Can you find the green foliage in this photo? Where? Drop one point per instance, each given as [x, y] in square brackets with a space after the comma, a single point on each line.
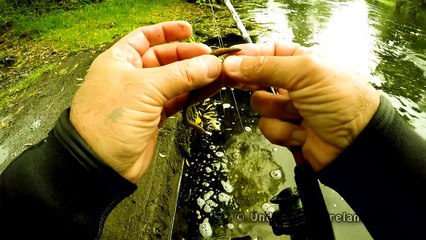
[90, 24]
[414, 8]
[48, 3]
[6, 97]
[13, 8]
[387, 2]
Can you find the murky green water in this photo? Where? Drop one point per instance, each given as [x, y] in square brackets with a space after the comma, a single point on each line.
[230, 176]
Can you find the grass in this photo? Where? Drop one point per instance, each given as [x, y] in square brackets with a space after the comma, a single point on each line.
[94, 24]
[387, 2]
[7, 97]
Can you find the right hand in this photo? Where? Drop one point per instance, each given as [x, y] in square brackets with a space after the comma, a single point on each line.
[320, 106]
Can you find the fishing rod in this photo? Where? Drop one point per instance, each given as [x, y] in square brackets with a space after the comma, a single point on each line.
[302, 212]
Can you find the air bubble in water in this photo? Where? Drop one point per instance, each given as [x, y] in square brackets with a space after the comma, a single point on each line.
[268, 208]
[227, 186]
[208, 195]
[200, 202]
[216, 165]
[276, 174]
[207, 208]
[205, 228]
[223, 197]
[219, 154]
[231, 226]
[211, 203]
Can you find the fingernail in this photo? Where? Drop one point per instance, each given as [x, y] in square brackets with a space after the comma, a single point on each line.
[232, 64]
[213, 68]
[299, 135]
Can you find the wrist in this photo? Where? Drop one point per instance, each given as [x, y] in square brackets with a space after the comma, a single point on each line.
[368, 103]
[71, 139]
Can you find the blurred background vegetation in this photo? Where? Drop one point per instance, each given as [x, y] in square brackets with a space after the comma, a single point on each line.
[37, 35]
[16, 8]
[73, 25]
[30, 18]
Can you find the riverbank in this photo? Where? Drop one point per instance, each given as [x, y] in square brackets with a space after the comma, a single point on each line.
[34, 43]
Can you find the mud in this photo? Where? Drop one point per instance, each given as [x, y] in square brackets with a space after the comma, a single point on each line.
[33, 116]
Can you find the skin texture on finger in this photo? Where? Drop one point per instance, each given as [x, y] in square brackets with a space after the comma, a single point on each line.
[143, 38]
[272, 105]
[282, 49]
[272, 49]
[181, 77]
[168, 53]
[281, 133]
[267, 71]
[131, 47]
[176, 104]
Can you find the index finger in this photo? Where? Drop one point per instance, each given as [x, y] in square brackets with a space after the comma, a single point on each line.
[143, 38]
[272, 49]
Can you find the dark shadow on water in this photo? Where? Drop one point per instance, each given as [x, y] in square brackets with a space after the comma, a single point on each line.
[227, 174]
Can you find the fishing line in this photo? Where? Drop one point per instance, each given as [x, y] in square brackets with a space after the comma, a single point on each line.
[221, 44]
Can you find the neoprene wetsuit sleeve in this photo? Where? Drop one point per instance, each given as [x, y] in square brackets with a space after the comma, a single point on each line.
[59, 189]
[382, 176]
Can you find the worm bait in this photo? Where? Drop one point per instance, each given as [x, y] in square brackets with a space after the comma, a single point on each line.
[192, 95]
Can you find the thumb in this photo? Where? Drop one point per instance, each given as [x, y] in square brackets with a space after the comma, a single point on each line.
[180, 77]
[252, 73]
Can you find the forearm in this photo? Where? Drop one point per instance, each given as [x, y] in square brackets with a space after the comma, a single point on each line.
[382, 175]
[59, 187]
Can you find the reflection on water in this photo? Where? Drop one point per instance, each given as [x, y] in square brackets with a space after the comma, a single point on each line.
[228, 175]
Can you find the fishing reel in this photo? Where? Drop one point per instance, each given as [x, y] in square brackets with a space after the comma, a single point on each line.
[290, 218]
[302, 212]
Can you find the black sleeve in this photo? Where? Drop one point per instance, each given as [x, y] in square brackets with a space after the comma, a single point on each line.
[382, 176]
[58, 189]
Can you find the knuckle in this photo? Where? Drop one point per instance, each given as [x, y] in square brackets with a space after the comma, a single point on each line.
[260, 68]
[264, 63]
[313, 63]
[186, 75]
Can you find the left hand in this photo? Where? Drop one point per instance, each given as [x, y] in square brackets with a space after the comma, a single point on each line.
[133, 87]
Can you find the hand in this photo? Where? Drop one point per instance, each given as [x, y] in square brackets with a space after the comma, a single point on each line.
[133, 87]
[320, 106]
